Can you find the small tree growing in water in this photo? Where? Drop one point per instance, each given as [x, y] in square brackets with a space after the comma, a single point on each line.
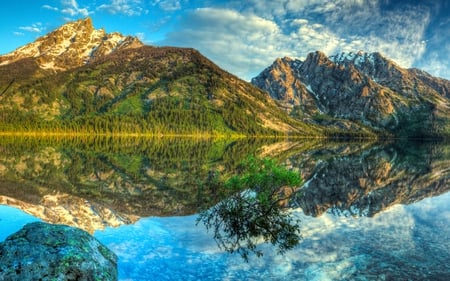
[254, 209]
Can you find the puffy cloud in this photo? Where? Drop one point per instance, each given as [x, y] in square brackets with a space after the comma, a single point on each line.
[242, 44]
[398, 34]
[245, 37]
[126, 7]
[71, 8]
[274, 9]
[358, 24]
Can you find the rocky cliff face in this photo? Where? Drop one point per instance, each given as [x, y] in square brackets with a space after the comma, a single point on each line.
[282, 83]
[71, 210]
[387, 73]
[72, 45]
[364, 88]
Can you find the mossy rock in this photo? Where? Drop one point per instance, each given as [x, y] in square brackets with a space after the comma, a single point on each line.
[41, 251]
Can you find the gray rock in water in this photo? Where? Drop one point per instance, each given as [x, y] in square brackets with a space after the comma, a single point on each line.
[41, 251]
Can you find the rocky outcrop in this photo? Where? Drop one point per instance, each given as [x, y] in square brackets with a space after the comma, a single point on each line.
[282, 84]
[71, 45]
[363, 88]
[41, 251]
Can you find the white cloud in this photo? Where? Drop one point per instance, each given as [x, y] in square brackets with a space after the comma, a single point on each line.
[245, 37]
[72, 9]
[16, 33]
[48, 7]
[30, 29]
[436, 62]
[35, 28]
[397, 34]
[241, 44]
[279, 9]
[126, 7]
[168, 5]
[297, 22]
[245, 44]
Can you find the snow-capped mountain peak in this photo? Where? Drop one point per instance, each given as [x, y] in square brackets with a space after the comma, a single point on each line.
[72, 45]
[374, 65]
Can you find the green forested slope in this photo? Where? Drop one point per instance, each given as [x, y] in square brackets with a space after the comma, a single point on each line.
[144, 90]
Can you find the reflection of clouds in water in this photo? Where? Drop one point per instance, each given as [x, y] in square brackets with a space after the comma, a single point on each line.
[400, 235]
[332, 247]
[327, 224]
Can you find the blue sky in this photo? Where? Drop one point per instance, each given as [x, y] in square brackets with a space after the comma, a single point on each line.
[244, 37]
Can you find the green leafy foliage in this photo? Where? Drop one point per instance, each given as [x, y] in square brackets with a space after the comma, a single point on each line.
[254, 208]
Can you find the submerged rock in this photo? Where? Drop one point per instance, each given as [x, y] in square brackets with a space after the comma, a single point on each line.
[41, 251]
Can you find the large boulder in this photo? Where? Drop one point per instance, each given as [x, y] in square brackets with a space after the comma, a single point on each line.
[41, 251]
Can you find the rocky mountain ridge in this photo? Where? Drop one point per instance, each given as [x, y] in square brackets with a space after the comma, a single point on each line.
[366, 89]
[71, 45]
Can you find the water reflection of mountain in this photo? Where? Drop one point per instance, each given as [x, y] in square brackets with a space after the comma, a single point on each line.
[364, 182]
[94, 183]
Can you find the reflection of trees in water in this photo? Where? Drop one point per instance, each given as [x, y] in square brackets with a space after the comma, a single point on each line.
[139, 176]
[253, 209]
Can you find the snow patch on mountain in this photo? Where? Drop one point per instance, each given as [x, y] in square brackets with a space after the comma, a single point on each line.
[358, 59]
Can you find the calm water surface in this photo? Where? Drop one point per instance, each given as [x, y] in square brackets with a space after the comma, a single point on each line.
[368, 211]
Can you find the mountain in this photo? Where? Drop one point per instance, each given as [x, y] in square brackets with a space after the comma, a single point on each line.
[78, 79]
[82, 80]
[360, 91]
[72, 45]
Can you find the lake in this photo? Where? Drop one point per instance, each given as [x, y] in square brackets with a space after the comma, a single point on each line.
[367, 211]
